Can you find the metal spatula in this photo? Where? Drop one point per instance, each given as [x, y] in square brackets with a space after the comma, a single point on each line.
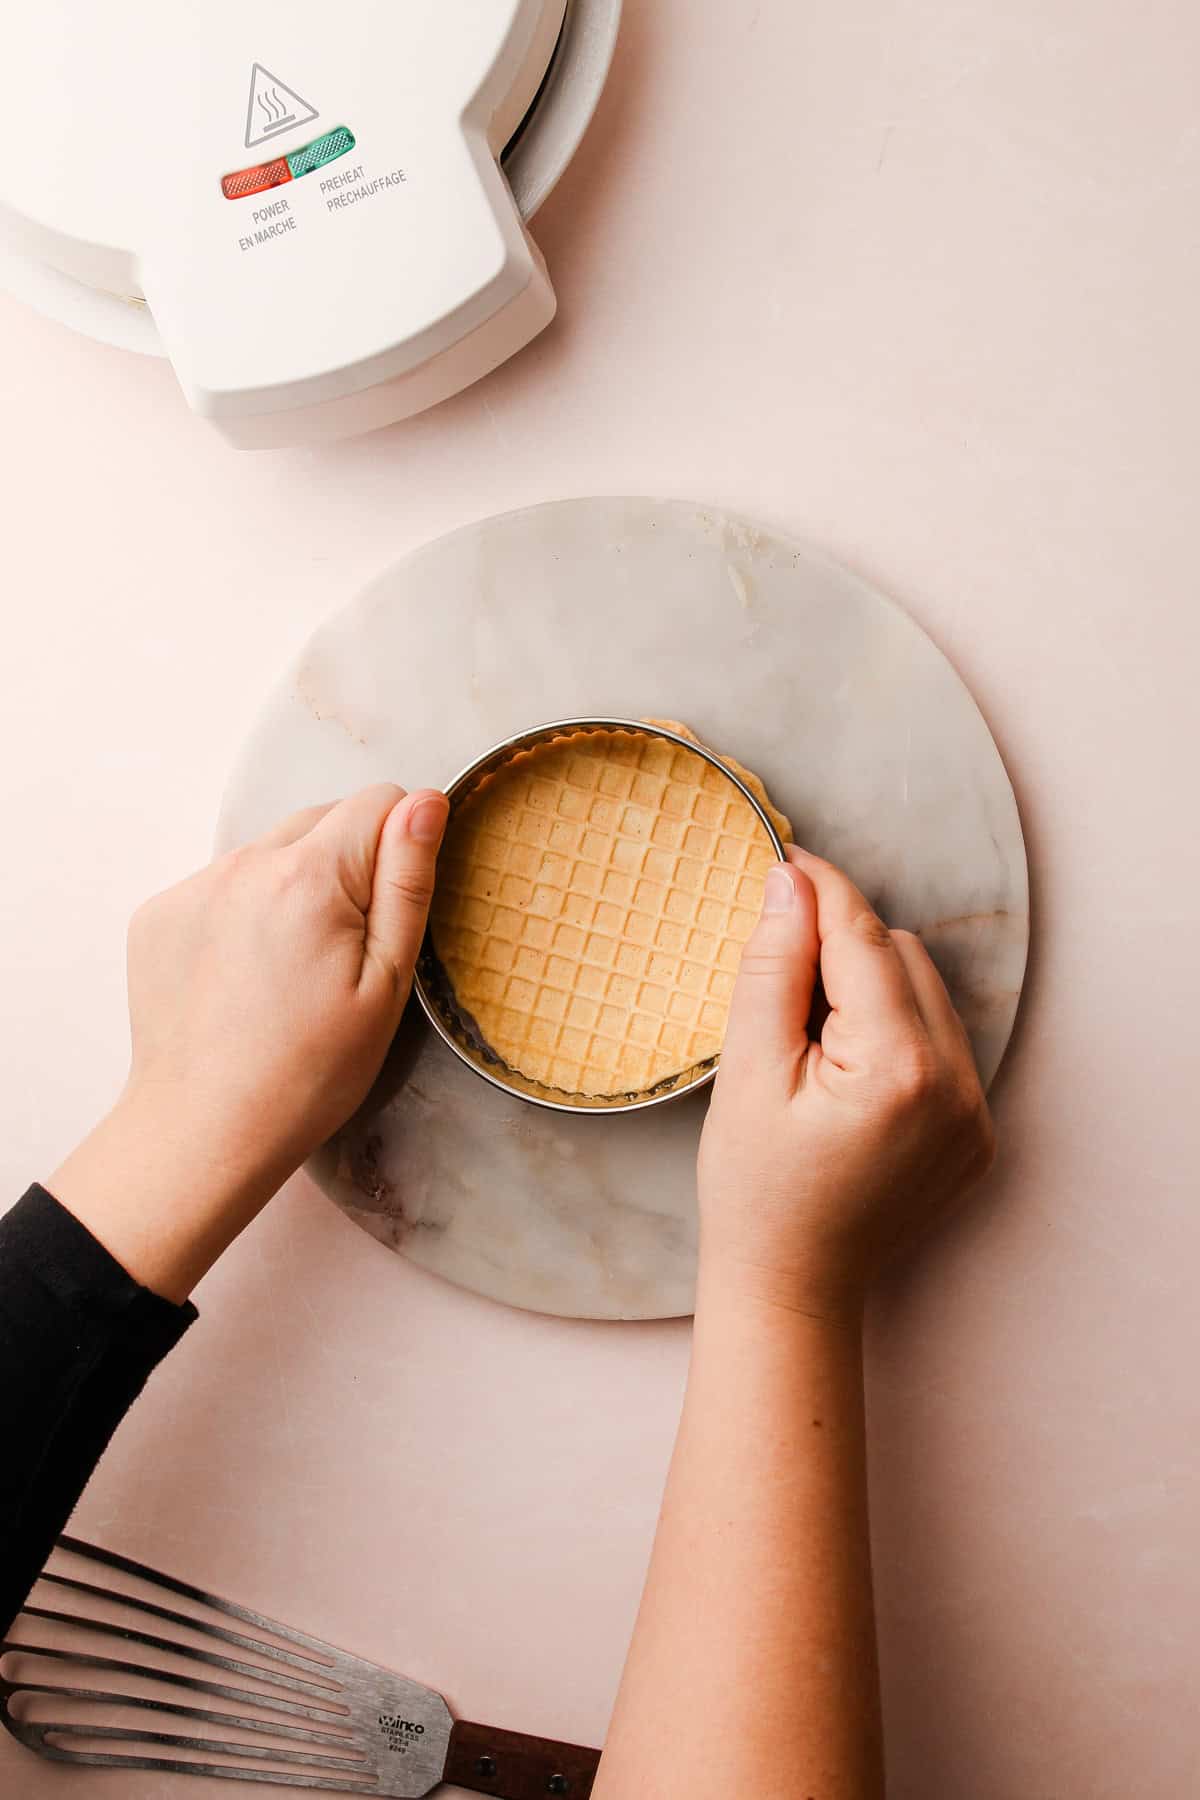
[304, 1715]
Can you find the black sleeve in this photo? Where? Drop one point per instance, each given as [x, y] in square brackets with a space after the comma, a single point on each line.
[78, 1338]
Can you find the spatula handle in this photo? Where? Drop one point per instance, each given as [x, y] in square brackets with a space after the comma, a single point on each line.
[513, 1766]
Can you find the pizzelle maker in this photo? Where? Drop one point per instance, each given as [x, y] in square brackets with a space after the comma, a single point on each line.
[319, 217]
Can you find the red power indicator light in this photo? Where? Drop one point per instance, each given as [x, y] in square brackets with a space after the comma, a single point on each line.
[255, 181]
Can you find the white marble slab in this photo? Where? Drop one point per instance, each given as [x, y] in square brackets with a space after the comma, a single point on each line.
[862, 731]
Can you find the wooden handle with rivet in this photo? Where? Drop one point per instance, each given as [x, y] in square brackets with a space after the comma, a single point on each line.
[510, 1765]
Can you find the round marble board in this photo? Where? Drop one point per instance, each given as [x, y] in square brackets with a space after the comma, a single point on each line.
[860, 728]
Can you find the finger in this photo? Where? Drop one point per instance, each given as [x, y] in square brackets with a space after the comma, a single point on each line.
[942, 1022]
[403, 884]
[773, 993]
[865, 981]
[295, 826]
[350, 833]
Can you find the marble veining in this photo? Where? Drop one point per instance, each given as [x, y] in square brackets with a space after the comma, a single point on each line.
[859, 726]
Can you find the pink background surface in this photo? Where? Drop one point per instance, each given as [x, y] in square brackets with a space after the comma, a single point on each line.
[918, 284]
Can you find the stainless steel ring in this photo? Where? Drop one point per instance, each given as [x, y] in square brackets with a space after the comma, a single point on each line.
[432, 986]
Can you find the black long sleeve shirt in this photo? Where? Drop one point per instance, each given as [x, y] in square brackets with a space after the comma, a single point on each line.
[78, 1339]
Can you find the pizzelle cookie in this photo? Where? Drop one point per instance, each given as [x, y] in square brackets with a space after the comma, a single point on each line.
[747, 777]
[593, 897]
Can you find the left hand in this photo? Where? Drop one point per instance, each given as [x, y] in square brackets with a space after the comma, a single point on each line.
[263, 995]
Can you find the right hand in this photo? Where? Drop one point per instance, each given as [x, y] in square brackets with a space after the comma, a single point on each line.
[818, 1156]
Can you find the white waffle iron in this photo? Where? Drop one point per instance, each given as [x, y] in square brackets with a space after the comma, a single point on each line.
[318, 215]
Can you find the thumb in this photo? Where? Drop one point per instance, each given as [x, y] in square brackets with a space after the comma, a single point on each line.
[772, 998]
[402, 885]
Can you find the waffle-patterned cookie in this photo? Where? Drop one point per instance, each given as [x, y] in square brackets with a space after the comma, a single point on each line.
[593, 898]
[781, 822]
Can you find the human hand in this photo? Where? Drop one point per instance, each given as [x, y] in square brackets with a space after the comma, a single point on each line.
[264, 992]
[818, 1156]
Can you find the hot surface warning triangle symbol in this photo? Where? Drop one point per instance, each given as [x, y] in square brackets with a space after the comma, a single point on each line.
[273, 107]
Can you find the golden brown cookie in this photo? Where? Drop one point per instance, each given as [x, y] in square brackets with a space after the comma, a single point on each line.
[593, 898]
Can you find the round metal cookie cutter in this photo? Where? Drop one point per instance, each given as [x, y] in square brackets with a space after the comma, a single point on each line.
[433, 987]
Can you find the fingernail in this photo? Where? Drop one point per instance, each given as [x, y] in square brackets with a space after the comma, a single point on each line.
[780, 890]
[427, 820]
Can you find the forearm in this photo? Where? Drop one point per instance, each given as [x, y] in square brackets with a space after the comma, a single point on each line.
[163, 1190]
[752, 1669]
[78, 1338]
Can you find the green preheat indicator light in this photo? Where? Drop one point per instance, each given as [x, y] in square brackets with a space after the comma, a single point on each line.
[244, 182]
[321, 151]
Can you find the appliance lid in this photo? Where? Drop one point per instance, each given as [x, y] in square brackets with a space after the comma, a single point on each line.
[534, 159]
[295, 226]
